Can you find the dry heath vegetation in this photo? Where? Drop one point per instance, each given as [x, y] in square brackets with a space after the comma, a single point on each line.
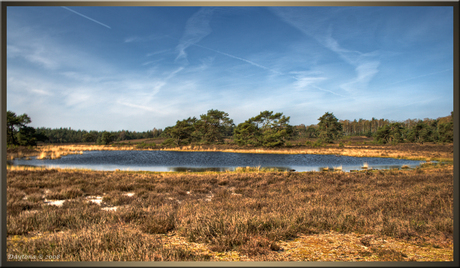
[248, 215]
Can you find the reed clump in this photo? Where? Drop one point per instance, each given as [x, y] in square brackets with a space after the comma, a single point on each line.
[365, 166]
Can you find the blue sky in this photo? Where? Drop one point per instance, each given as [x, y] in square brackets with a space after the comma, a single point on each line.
[136, 68]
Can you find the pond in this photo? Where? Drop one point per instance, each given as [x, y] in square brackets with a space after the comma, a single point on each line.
[215, 161]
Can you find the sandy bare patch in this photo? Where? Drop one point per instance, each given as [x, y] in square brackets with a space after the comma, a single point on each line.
[209, 197]
[58, 203]
[95, 199]
[114, 208]
[335, 246]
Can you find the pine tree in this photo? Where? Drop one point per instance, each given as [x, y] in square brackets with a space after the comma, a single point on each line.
[329, 128]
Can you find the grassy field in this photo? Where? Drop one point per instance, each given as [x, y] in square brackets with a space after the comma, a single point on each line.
[247, 215]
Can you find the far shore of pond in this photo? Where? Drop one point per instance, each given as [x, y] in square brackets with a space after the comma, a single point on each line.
[409, 151]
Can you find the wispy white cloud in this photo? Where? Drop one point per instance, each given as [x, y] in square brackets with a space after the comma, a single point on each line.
[143, 90]
[173, 73]
[83, 77]
[158, 52]
[80, 98]
[26, 85]
[40, 48]
[41, 91]
[123, 96]
[160, 84]
[33, 52]
[196, 28]
[135, 39]
[86, 17]
[365, 64]
[146, 108]
[352, 57]
[365, 71]
[147, 63]
[308, 81]
[78, 85]
[38, 56]
[132, 39]
[305, 79]
[205, 64]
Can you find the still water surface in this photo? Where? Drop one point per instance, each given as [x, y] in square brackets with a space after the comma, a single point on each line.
[217, 161]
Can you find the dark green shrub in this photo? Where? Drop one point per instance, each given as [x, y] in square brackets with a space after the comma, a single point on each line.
[318, 143]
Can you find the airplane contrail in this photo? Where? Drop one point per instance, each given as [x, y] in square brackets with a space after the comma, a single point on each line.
[86, 17]
[257, 65]
[423, 75]
[238, 58]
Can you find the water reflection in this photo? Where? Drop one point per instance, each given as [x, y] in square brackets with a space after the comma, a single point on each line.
[195, 169]
[223, 169]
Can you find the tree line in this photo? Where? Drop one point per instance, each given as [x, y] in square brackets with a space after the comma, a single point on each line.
[68, 135]
[267, 129]
[363, 127]
[428, 130]
[385, 131]
[18, 133]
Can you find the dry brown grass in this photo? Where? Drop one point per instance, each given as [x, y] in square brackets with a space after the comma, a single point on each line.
[232, 215]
